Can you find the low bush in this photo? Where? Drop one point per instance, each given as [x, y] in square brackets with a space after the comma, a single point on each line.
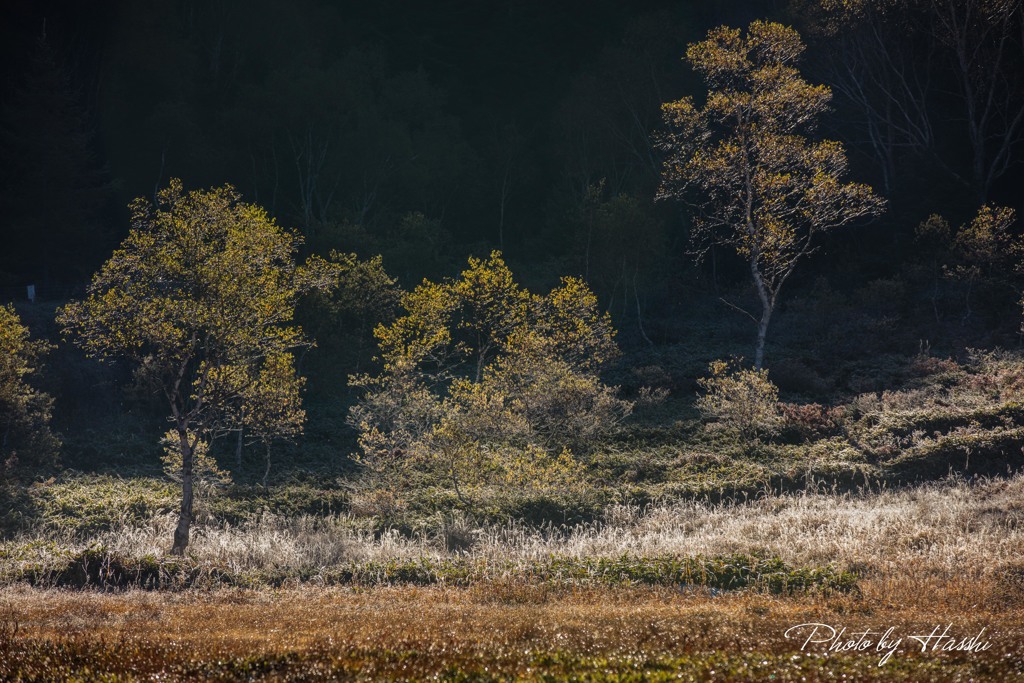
[740, 400]
[811, 421]
[485, 384]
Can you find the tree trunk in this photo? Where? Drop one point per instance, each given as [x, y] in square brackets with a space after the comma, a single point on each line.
[762, 334]
[767, 306]
[266, 472]
[181, 533]
[238, 447]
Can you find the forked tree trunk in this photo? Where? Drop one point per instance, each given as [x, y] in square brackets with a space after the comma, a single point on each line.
[181, 532]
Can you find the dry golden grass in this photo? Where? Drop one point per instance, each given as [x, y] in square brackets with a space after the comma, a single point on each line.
[502, 631]
[941, 554]
[946, 530]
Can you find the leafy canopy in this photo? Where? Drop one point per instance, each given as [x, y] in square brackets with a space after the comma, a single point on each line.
[25, 436]
[201, 296]
[766, 187]
[486, 383]
[762, 186]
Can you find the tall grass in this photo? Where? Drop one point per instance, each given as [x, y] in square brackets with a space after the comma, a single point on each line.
[947, 530]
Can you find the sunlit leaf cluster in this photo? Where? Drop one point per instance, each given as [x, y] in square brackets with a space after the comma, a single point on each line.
[24, 411]
[484, 382]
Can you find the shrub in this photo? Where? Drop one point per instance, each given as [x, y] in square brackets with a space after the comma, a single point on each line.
[486, 384]
[928, 366]
[740, 400]
[811, 420]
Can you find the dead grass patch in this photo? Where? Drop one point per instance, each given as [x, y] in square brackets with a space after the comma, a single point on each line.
[493, 632]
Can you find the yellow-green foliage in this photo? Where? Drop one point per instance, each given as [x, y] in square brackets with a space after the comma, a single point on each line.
[201, 295]
[987, 239]
[740, 399]
[767, 187]
[24, 412]
[984, 251]
[485, 383]
[983, 245]
[365, 289]
[764, 187]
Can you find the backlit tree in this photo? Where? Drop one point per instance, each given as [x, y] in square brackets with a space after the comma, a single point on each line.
[25, 436]
[485, 383]
[745, 159]
[200, 298]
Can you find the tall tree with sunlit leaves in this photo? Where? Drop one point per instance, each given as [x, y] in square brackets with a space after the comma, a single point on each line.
[761, 185]
[200, 297]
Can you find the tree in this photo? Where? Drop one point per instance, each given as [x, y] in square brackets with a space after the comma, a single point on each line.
[25, 436]
[985, 43]
[763, 187]
[985, 252]
[871, 59]
[200, 298]
[898, 60]
[486, 383]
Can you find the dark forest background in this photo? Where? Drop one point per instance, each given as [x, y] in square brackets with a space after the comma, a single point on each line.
[426, 132]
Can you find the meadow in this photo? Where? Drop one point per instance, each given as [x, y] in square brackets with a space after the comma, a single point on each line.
[692, 591]
[688, 554]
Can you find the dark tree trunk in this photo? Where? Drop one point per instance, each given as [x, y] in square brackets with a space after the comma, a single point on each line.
[266, 472]
[181, 532]
[238, 447]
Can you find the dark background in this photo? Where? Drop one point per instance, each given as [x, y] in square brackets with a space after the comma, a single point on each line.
[430, 131]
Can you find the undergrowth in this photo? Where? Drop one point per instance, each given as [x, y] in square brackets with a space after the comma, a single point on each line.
[100, 568]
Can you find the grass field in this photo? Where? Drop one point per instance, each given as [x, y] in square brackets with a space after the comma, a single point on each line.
[498, 631]
[686, 554]
[610, 600]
